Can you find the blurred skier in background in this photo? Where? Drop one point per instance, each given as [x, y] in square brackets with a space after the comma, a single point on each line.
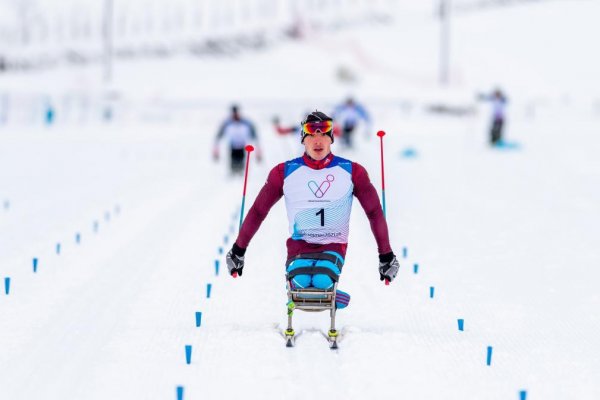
[498, 101]
[348, 116]
[238, 132]
[318, 189]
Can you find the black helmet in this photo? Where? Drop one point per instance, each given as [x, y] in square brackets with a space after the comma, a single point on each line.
[315, 116]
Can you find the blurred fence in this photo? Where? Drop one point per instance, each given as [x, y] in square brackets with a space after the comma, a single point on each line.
[37, 33]
[480, 4]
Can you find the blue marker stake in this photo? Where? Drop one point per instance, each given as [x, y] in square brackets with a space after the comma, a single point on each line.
[7, 285]
[6, 204]
[107, 216]
[416, 268]
[179, 392]
[489, 355]
[35, 261]
[231, 229]
[220, 250]
[95, 226]
[217, 267]
[208, 288]
[188, 353]
[431, 290]
[404, 252]
[461, 324]
[198, 319]
[77, 238]
[523, 395]
[57, 248]
[225, 239]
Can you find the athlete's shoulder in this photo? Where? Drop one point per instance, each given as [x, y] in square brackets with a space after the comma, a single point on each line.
[342, 163]
[292, 165]
[276, 174]
[279, 168]
[357, 165]
[359, 174]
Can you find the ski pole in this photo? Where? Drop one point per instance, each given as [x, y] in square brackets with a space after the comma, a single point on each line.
[381, 134]
[249, 148]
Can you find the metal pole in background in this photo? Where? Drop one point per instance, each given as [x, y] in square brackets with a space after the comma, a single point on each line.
[108, 37]
[444, 42]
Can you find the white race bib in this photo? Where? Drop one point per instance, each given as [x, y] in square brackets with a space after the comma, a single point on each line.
[318, 202]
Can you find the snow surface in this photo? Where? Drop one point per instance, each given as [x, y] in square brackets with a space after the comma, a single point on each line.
[508, 238]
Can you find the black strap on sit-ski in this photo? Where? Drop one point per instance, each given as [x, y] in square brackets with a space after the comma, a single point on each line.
[314, 269]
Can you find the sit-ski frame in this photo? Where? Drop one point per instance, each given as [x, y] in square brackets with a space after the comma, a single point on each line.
[311, 299]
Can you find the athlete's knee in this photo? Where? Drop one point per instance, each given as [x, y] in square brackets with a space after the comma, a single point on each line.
[322, 281]
[301, 281]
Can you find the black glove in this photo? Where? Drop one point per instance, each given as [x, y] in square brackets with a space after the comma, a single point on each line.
[388, 266]
[235, 260]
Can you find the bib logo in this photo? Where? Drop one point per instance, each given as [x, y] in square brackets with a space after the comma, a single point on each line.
[320, 190]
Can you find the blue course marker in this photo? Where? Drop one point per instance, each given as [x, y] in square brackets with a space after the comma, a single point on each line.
[6, 204]
[7, 285]
[96, 226]
[225, 239]
[179, 392]
[416, 268]
[408, 152]
[404, 252]
[461, 324]
[431, 291]
[107, 216]
[523, 395]
[49, 115]
[35, 264]
[217, 267]
[489, 355]
[57, 248]
[188, 353]
[208, 289]
[77, 238]
[198, 319]
[220, 250]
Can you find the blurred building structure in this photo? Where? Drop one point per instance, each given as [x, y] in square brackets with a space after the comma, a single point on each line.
[40, 33]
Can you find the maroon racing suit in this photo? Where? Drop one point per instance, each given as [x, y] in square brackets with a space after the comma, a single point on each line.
[272, 191]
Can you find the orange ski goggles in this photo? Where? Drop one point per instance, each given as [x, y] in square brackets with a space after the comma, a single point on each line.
[312, 128]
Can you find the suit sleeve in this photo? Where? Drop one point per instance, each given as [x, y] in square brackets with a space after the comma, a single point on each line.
[270, 193]
[221, 132]
[369, 200]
